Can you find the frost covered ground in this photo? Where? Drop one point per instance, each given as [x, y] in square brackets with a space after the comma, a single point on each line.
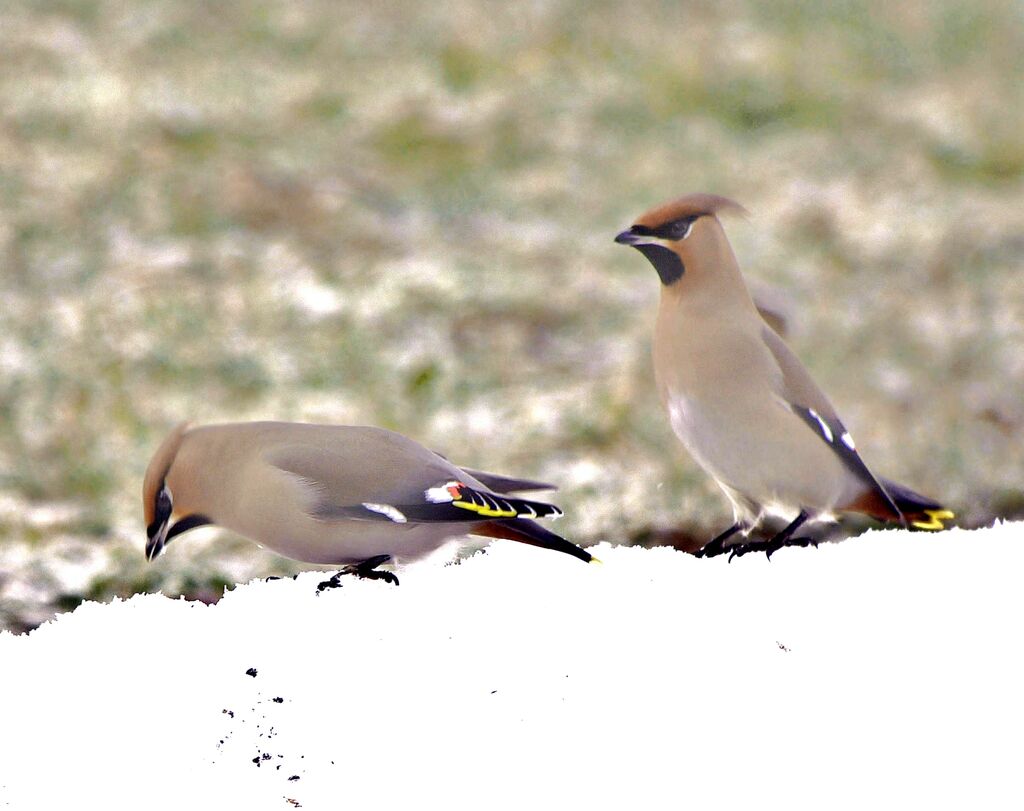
[881, 672]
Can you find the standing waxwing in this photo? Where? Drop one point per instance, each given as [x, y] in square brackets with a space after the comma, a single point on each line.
[740, 400]
[341, 495]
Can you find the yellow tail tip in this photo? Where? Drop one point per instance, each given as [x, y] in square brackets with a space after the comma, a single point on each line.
[936, 517]
[598, 561]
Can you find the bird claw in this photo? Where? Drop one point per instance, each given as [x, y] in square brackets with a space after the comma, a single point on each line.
[741, 549]
[716, 546]
[331, 583]
[367, 570]
[769, 546]
[773, 544]
[711, 550]
[373, 574]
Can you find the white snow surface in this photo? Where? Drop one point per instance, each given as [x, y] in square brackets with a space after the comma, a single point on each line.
[883, 672]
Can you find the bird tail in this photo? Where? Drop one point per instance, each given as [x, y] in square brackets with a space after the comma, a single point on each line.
[506, 484]
[526, 531]
[920, 511]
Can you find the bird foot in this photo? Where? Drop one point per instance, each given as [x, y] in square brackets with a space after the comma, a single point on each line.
[334, 582]
[366, 570]
[716, 546]
[373, 574]
[785, 537]
[770, 546]
[711, 550]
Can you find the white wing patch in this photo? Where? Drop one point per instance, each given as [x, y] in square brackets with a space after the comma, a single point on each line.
[392, 513]
[825, 430]
[847, 440]
[442, 493]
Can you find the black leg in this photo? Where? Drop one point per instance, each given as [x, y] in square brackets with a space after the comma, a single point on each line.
[366, 570]
[777, 541]
[716, 545]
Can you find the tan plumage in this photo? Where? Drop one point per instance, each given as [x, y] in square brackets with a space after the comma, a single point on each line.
[330, 494]
[738, 398]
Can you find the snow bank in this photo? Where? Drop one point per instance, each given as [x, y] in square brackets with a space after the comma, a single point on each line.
[887, 671]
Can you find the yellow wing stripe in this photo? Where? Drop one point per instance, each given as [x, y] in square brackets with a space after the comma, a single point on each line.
[484, 510]
[936, 518]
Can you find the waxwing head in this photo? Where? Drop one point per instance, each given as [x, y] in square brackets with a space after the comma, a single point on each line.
[675, 235]
[157, 499]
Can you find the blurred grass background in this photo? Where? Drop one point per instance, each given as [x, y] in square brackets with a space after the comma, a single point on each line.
[402, 214]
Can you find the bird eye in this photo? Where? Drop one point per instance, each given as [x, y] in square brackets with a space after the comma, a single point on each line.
[680, 229]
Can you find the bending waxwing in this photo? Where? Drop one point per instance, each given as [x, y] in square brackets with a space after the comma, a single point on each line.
[740, 400]
[356, 496]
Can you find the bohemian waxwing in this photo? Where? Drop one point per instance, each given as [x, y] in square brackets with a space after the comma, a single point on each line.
[740, 400]
[333, 494]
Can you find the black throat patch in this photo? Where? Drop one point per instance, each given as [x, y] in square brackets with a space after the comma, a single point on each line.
[187, 523]
[668, 264]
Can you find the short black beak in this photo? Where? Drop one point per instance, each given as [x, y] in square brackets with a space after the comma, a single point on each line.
[157, 539]
[162, 534]
[628, 238]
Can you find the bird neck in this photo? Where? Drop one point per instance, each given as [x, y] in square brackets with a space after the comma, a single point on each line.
[712, 286]
[708, 314]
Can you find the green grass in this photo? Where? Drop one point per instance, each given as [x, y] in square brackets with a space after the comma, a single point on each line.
[402, 214]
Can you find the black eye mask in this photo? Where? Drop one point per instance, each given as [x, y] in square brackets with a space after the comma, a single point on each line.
[674, 230]
[163, 511]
